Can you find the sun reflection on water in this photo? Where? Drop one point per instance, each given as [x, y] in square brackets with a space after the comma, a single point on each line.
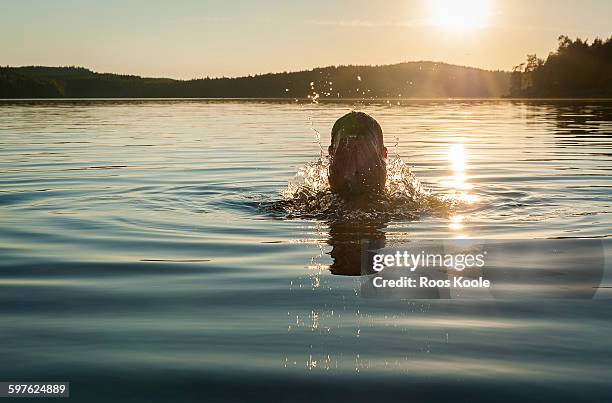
[457, 158]
[456, 222]
[458, 181]
[459, 184]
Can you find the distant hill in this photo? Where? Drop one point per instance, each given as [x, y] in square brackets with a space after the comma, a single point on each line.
[403, 80]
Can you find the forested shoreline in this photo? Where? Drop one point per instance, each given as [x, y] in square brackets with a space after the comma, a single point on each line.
[577, 69]
[413, 79]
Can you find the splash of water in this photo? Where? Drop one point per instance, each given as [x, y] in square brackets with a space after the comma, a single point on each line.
[317, 135]
[308, 195]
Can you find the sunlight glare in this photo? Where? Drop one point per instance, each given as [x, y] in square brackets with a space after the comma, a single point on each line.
[457, 159]
[459, 15]
[456, 222]
[459, 181]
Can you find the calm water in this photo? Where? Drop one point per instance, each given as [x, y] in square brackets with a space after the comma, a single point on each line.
[138, 264]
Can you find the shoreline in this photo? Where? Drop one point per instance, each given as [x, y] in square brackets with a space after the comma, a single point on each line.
[309, 101]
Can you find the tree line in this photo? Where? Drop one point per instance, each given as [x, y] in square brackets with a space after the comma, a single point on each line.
[412, 79]
[575, 69]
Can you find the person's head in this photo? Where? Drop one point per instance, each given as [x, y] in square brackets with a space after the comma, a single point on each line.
[357, 156]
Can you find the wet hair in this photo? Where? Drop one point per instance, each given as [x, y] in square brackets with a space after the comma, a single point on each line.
[357, 163]
[356, 124]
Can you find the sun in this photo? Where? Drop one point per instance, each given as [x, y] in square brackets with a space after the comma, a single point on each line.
[459, 15]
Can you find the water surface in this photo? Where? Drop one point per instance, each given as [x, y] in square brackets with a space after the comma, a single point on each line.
[137, 261]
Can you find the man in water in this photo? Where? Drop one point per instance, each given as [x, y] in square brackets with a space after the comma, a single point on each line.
[358, 155]
[357, 173]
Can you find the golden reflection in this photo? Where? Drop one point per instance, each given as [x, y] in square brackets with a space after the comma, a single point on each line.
[459, 185]
[457, 159]
[458, 182]
[311, 363]
[456, 222]
[314, 320]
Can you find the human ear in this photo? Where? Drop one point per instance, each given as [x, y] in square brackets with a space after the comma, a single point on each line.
[329, 150]
[385, 149]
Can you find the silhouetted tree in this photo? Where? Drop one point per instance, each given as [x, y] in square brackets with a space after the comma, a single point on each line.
[576, 69]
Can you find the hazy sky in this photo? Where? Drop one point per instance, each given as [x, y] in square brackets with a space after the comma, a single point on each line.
[186, 39]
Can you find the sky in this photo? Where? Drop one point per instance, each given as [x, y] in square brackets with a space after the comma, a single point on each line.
[192, 39]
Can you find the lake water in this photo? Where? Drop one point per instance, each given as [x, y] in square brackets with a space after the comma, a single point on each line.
[137, 261]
